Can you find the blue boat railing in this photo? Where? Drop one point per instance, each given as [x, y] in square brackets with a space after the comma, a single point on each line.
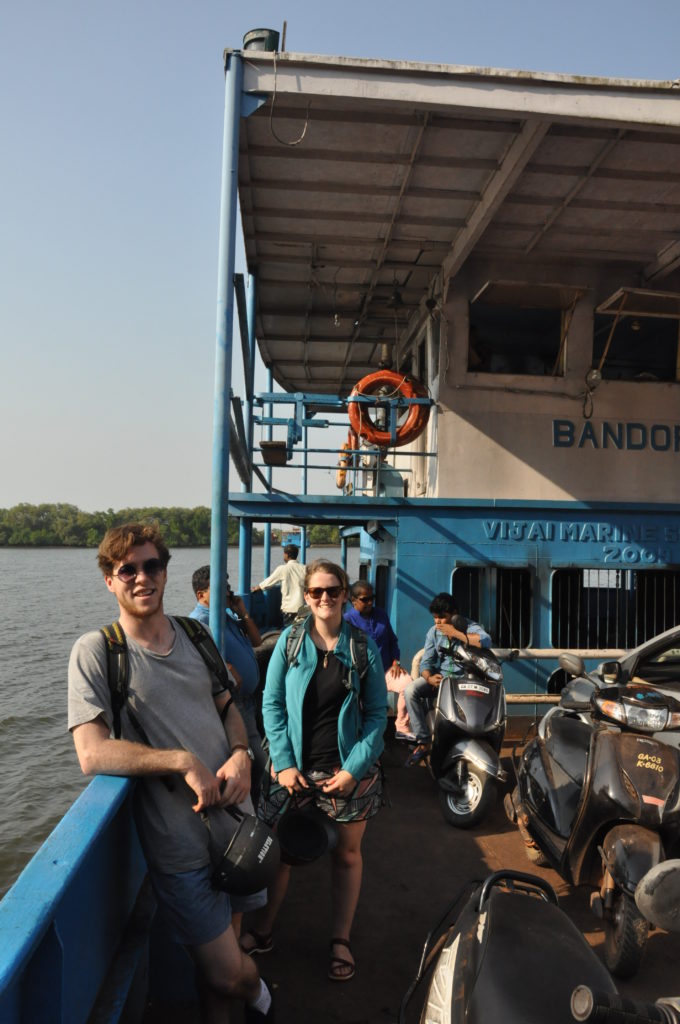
[63, 920]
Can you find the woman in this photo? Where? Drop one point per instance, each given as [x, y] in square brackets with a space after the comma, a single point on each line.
[325, 731]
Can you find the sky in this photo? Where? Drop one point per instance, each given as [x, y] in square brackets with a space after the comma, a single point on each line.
[111, 144]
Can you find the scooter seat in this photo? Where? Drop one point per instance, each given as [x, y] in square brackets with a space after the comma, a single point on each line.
[530, 959]
[567, 741]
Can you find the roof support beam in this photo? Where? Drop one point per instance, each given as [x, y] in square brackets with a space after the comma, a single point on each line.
[513, 163]
[574, 191]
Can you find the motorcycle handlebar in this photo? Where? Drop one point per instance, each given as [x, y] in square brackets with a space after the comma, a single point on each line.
[587, 1005]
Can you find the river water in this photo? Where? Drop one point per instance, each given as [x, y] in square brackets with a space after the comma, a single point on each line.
[48, 597]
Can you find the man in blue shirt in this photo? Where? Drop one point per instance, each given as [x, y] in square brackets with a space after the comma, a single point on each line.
[441, 640]
[240, 636]
[374, 621]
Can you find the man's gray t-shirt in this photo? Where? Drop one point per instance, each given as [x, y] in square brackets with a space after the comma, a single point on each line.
[172, 698]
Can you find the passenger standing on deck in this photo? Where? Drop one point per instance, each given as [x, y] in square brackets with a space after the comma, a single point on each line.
[192, 757]
[374, 621]
[240, 636]
[437, 661]
[291, 578]
[325, 731]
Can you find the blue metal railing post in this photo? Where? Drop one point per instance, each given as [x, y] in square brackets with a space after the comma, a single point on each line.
[245, 549]
[223, 346]
[267, 553]
[305, 458]
[343, 553]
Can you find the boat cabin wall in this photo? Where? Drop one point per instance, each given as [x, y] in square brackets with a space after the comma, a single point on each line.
[541, 578]
[515, 418]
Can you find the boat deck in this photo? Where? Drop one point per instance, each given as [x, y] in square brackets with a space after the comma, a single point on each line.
[414, 863]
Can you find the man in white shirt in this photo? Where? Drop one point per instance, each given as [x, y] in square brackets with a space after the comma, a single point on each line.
[291, 578]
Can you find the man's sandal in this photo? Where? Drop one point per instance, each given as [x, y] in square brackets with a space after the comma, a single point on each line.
[419, 754]
[256, 943]
[341, 969]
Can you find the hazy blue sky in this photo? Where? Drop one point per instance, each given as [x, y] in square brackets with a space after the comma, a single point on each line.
[111, 119]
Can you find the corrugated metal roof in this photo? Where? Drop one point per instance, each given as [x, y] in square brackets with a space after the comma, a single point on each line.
[405, 172]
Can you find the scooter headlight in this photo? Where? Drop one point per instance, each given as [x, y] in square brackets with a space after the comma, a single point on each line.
[649, 719]
[635, 716]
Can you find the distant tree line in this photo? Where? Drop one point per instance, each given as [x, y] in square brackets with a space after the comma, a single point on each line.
[64, 525]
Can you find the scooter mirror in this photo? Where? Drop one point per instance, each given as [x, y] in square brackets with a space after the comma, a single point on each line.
[572, 664]
[610, 670]
[658, 895]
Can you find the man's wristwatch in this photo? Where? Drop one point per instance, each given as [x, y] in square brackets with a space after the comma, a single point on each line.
[242, 746]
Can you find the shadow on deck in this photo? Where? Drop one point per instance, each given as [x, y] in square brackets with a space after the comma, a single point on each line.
[414, 863]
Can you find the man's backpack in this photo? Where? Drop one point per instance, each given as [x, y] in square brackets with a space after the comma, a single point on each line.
[117, 664]
[358, 647]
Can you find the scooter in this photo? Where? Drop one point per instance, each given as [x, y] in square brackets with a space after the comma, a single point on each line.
[509, 953]
[598, 799]
[468, 726]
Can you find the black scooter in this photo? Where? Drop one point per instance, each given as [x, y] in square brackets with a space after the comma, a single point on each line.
[598, 799]
[468, 725]
[512, 955]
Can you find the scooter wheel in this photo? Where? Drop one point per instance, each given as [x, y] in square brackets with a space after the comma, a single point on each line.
[467, 804]
[625, 936]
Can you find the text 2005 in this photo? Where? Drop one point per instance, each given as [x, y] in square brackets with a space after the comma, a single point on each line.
[630, 555]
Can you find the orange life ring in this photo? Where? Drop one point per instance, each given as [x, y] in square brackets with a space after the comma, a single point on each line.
[343, 463]
[413, 425]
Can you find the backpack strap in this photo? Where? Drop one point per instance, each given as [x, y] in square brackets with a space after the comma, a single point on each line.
[358, 649]
[116, 670]
[295, 638]
[202, 640]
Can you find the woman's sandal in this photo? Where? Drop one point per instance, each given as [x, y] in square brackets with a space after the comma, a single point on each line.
[341, 969]
[257, 943]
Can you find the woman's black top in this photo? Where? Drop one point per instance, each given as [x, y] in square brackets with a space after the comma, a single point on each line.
[320, 710]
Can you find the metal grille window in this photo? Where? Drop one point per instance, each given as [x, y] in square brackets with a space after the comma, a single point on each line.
[604, 608]
[498, 598]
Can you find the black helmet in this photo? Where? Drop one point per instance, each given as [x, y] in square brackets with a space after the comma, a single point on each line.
[250, 860]
[305, 834]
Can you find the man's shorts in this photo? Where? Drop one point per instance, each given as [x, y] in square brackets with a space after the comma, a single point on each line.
[363, 802]
[193, 911]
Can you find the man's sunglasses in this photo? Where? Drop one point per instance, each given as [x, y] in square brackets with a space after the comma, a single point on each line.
[316, 593]
[129, 572]
[365, 599]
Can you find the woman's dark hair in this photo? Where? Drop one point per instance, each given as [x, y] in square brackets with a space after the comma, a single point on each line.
[443, 604]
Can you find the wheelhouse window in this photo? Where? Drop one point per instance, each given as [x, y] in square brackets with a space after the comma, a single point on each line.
[499, 599]
[520, 329]
[641, 349]
[636, 335]
[612, 608]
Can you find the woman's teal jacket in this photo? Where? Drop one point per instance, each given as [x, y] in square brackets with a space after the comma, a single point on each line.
[361, 726]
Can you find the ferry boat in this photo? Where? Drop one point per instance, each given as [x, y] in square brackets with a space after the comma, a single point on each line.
[494, 256]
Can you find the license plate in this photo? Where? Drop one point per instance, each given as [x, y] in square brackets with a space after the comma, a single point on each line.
[474, 687]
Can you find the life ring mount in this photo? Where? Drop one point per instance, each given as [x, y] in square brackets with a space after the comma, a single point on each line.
[388, 384]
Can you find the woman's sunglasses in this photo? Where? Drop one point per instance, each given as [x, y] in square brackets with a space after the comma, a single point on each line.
[129, 572]
[316, 593]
